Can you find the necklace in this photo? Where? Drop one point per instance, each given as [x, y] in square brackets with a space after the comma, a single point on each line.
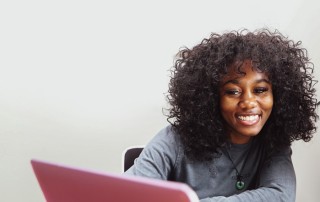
[239, 177]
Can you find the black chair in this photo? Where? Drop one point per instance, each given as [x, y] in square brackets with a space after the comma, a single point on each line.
[129, 155]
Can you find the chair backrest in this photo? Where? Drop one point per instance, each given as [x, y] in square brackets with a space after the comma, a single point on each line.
[129, 155]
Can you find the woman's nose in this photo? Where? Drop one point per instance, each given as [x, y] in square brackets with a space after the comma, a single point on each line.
[248, 101]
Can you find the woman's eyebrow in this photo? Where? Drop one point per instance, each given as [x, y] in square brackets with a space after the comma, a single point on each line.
[236, 81]
[262, 80]
[233, 81]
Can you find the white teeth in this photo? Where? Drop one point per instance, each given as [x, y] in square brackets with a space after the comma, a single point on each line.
[248, 118]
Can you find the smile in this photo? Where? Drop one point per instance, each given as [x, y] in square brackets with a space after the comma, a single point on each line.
[249, 119]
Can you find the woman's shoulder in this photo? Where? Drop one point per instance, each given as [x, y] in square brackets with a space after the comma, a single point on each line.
[166, 135]
[165, 141]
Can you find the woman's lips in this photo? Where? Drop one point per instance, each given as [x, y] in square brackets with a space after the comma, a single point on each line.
[248, 120]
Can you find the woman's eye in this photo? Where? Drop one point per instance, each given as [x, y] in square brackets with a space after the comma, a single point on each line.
[260, 90]
[232, 92]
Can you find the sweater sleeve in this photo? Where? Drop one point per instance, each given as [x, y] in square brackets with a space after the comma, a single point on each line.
[158, 158]
[277, 182]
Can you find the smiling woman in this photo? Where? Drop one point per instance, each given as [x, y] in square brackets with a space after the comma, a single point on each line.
[238, 101]
[246, 102]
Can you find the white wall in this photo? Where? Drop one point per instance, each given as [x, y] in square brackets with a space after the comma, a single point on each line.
[82, 80]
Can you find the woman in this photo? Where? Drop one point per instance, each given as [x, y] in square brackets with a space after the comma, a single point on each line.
[238, 100]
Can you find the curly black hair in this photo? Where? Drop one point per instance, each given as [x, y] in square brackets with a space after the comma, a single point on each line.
[194, 89]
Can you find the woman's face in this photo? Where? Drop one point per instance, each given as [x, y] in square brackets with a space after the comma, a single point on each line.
[245, 102]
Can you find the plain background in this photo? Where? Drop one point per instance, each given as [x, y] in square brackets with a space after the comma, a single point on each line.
[82, 80]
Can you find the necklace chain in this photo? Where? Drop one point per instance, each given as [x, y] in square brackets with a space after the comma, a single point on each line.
[239, 181]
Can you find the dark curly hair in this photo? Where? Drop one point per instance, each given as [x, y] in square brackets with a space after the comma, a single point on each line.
[194, 89]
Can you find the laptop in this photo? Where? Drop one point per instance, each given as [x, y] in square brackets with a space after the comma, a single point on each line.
[61, 183]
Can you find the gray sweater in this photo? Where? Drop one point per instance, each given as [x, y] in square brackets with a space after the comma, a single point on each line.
[273, 180]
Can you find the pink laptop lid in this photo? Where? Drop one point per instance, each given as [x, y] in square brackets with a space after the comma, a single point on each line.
[61, 183]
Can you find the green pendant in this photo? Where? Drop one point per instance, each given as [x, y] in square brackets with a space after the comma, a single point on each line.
[240, 185]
